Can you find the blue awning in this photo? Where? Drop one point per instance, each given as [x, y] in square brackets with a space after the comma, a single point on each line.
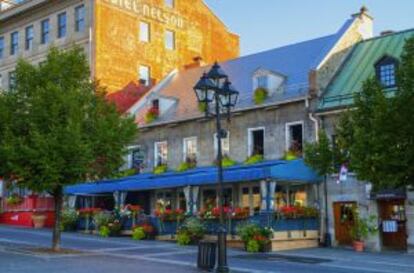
[291, 171]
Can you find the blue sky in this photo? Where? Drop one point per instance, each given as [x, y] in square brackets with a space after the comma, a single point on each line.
[265, 24]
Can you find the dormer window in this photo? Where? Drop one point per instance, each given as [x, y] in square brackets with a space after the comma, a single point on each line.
[262, 82]
[156, 104]
[386, 71]
[269, 80]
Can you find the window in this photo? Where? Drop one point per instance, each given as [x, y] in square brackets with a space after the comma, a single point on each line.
[1, 47]
[160, 153]
[134, 158]
[225, 145]
[14, 43]
[1, 87]
[62, 25]
[385, 70]
[144, 75]
[256, 141]
[190, 149]
[29, 38]
[170, 40]
[164, 200]
[144, 32]
[209, 199]
[262, 82]
[294, 137]
[45, 30]
[80, 18]
[250, 198]
[169, 3]
[12, 80]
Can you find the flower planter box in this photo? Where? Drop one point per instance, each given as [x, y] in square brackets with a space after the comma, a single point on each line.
[212, 225]
[164, 228]
[295, 224]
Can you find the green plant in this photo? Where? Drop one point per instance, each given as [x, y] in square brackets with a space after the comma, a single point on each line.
[14, 199]
[253, 159]
[187, 165]
[151, 115]
[228, 162]
[183, 239]
[202, 107]
[363, 227]
[253, 246]
[290, 155]
[69, 219]
[260, 95]
[160, 169]
[138, 233]
[101, 219]
[104, 231]
[124, 173]
[192, 228]
[115, 227]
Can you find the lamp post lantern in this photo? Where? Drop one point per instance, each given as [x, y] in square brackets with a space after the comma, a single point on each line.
[215, 92]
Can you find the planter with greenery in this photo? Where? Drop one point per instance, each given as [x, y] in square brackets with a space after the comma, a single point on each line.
[14, 200]
[187, 165]
[151, 115]
[69, 219]
[39, 220]
[160, 169]
[254, 159]
[190, 232]
[255, 238]
[260, 95]
[362, 229]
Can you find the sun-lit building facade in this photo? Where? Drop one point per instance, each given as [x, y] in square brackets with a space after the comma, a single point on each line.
[126, 41]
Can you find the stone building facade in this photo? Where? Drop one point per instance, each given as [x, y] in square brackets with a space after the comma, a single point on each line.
[145, 39]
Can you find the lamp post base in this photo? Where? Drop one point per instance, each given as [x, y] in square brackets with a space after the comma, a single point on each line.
[327, 242]
[222, 251]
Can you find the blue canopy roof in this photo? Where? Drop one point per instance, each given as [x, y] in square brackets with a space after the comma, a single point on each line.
[292, 171]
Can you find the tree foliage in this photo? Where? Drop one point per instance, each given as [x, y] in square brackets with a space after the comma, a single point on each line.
[378, 131]
[56, 127]
[319, 155]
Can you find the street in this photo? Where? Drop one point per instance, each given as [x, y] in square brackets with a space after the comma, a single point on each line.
[104, 255]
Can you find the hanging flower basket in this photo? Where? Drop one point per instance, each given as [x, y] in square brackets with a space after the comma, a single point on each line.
[260, 95]
[152, 114]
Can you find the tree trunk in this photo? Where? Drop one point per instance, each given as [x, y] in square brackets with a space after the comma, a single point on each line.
[58, 197]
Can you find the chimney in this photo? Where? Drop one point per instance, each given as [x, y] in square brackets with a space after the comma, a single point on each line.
[197, 62]
[386, 32]
[365, 22]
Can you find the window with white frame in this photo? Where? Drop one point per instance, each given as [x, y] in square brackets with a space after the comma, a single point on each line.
[144, 74]
[256, 141]
[262, 82]
[225, 145]
[61, 21]
[12, 80]
[294, 137]
[169, 3]
[385, 70]
[29, 37]
[1, 81]
[80, 18]
[1, 47]
[14, 43]
[164, 200]
[170, 39]
[160, 153]
[144, 32]
[45, 31]
[190, 149]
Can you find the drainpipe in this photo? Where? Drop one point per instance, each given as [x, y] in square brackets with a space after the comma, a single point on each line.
[316, 123]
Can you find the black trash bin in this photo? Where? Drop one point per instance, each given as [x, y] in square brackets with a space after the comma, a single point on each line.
[206, 259]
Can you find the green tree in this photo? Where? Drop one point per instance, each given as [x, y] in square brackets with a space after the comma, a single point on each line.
[378, 132]
[56, 128]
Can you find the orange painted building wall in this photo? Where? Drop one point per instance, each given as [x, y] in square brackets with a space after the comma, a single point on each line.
[119, 52]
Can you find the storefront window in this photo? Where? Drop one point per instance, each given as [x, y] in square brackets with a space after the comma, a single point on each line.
[256, 199]
[209, 199]
[164, 200]
[182, 204]
[245, 198]
[228, 197]
[298, 198]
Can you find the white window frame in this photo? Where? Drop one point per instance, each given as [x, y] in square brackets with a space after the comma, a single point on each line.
[174, 46]
[156, 151]
[185, 146]
[147, 81]
[250, 139]
[147, 37]
[129, 155]
[216, 144]
[287, 132]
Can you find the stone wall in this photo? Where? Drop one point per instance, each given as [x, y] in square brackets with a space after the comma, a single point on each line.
[198, 32]
[273, 120]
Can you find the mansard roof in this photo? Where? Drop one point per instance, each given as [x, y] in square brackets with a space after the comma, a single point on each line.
[295, 61]
[359, 66]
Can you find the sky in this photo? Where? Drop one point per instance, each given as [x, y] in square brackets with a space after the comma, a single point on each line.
[266, 24]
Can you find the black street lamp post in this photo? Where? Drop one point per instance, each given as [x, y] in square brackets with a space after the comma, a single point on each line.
[214, 89]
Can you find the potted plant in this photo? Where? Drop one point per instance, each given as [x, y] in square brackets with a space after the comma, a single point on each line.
[38, 220]
[260, 95]
[255, 238]
[361, 229]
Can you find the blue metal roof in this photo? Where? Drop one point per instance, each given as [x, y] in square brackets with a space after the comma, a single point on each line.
[282, 170]
[294, 62]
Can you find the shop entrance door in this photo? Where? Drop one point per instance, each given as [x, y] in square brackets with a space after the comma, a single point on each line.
[344, 220]
[393, 224]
